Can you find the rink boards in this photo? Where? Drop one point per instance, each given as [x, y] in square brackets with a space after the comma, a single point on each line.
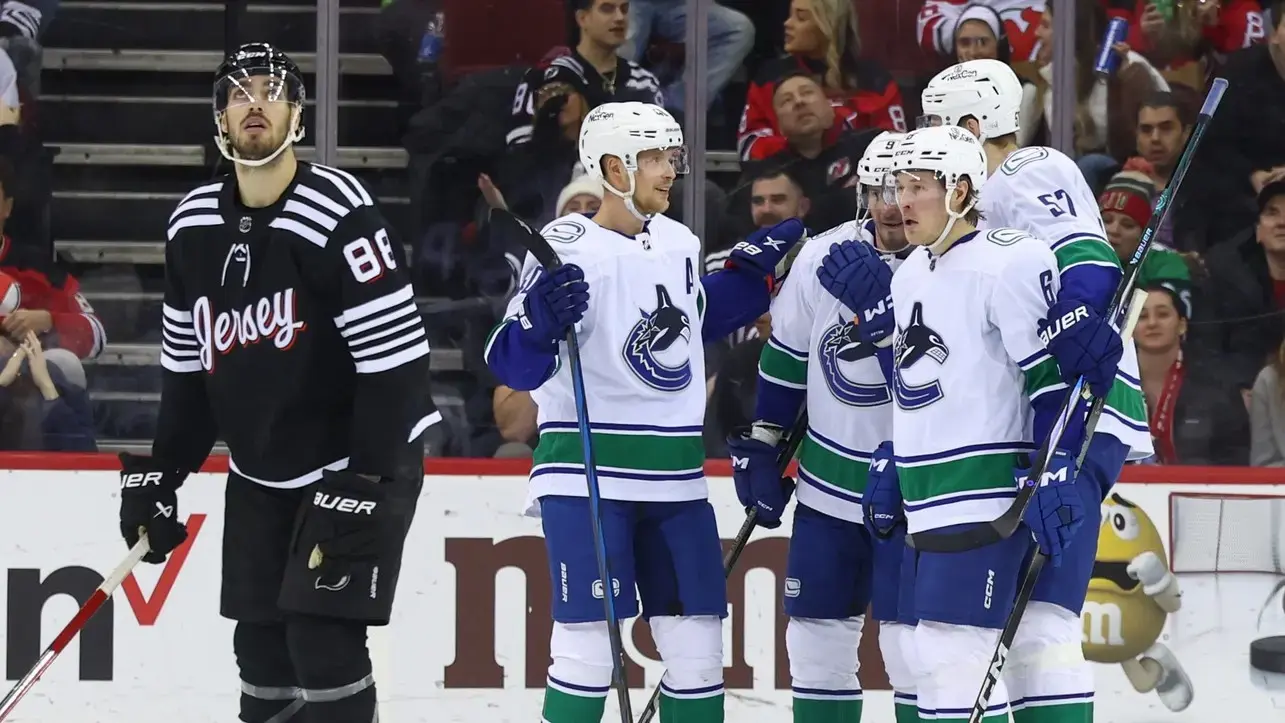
[468, 641]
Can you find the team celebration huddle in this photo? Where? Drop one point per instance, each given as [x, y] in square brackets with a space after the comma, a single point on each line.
[949, 369]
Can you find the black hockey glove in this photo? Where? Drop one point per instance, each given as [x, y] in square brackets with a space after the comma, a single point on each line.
[347, 521]
[149, 503]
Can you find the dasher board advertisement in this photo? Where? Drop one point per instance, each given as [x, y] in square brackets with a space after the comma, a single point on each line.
[469, 638]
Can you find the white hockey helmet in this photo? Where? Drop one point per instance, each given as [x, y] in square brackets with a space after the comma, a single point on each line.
[877, 159]
[949, 153]
[626, 130]
[987, 90]
[873, 168]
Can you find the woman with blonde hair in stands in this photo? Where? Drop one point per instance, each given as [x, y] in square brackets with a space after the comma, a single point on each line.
[821, 39]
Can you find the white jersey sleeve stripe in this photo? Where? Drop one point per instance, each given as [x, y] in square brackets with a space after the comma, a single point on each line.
[374, 306]
[182, 317]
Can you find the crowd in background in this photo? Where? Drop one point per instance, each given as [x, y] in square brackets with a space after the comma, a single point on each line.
[797, 89]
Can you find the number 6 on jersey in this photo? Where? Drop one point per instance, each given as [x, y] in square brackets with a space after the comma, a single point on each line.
[365, 262]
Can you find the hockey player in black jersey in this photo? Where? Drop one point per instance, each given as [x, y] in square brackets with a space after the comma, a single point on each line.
[290, 331]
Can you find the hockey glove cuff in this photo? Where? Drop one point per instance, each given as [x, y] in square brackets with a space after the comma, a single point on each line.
[556, 302]
[347, 520]
[882, 505]
[853, 273]
[759, 484]
[1056, 512]
[149, 503]
[1083, 343]
[764, 249]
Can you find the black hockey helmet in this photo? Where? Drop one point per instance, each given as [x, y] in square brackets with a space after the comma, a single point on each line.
[233, 86]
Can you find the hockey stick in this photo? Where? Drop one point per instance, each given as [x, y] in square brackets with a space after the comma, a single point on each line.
[1006, 524]
[1029, 577]
[510, 225]
[792, 443]
[78, 621]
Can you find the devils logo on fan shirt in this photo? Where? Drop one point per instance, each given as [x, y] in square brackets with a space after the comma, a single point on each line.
[44, 287]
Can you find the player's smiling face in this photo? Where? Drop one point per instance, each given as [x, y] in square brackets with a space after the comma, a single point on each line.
[657, 170]
[921, 199]
[258, 116]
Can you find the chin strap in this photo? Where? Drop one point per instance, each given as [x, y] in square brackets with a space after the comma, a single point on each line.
[628, 197]
[222, 139]
[938, 247]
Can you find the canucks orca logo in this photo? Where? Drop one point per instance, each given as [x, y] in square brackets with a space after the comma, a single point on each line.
[914, 343]
[839, 348]
[656, 347]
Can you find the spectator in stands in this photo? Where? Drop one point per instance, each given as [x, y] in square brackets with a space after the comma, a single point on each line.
[1195, 38]
[817, 145]
[602, 27]
[1105, 108]
[821, 39]
[979, 35]
[939, 22]
[515, 413]
[1244, 148]
[22, 25]
[731, 36]
[41, 406]
[1195, 418]
[1240, 309]
[1164, 124]
[31, 173]
[52, 305]
[1267, 415]
[1126, 209]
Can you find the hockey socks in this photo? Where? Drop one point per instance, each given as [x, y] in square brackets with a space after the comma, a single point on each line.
[905, 707]
[836, 707]
[696, 706]
[565, 704]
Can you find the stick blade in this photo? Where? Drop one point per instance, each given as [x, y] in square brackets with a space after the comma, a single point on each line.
[509, 227]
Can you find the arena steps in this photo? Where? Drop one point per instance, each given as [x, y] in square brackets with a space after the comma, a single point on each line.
[199, 25]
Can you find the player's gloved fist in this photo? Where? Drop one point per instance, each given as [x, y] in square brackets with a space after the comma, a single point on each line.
[1150, 570]
[1083, 343]
[555, 302]
[1056, 511]
[759, 484]
[344, 521]
[854, 274]
[882, 502]
[149, 503]
[762, 250]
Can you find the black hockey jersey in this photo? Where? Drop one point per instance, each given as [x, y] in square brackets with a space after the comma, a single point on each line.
[291, 331]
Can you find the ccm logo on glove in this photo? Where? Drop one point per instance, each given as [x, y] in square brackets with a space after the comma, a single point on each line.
[343, 504]
[878, 309]
[1066, 321]
[141, 479]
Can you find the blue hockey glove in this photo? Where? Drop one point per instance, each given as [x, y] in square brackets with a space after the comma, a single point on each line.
[762, 250]
[1083, 343]
[1056, 511]
[554, 303]
[854, 274]
[759, 484]
[882, 503]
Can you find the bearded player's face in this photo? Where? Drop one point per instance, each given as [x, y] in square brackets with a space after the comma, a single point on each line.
[258, 117]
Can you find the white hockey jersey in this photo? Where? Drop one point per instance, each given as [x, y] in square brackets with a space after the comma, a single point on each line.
[814, 346]
[643, 362]
[1042, 192]
[968, 361]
